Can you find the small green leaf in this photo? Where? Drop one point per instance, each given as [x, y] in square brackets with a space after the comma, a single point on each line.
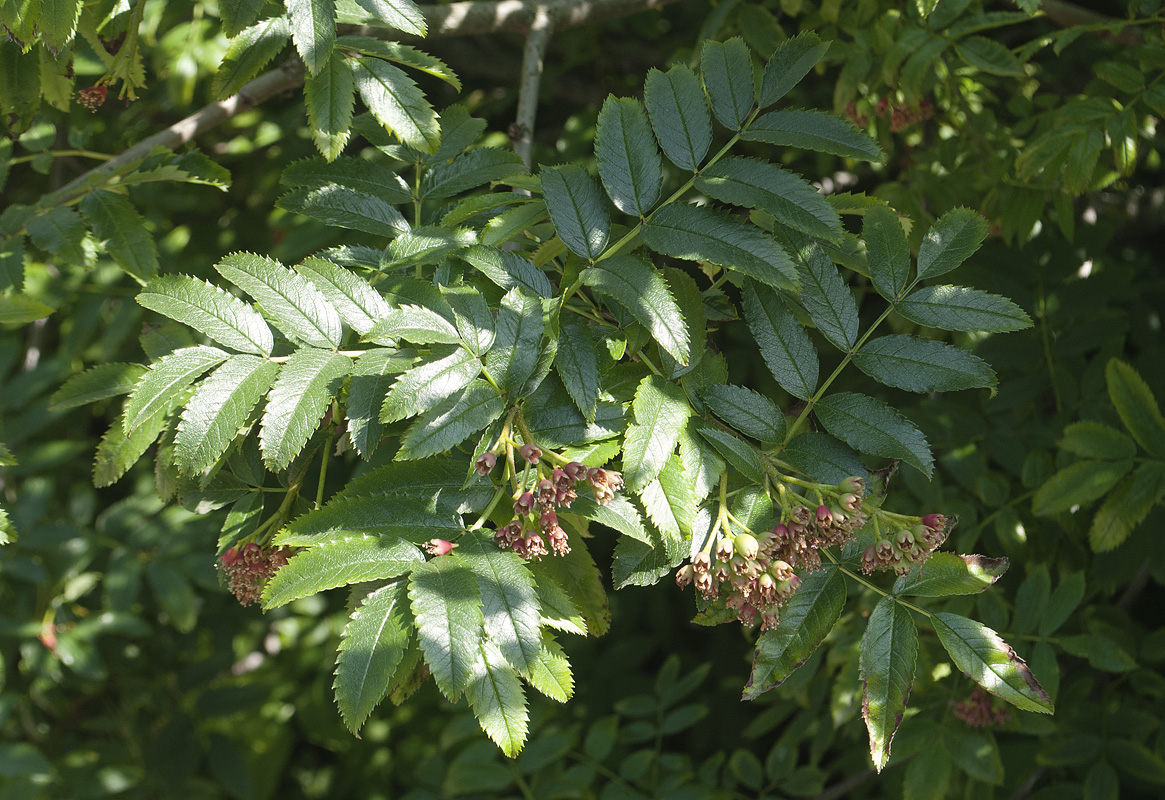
[404, 15]
[447, 607]
[639, 564]
[414, 324]
[452, 422]
[750, 413]
[577, 209]
[239, 15]
[471, 314]
[922, 365]
[871, 426]
[301, 395]
[660, 410]
[1127, 506]
[582, 585]
[990, 56]
[210, 311]
[827, 298]
[375, 640]
[358, 174]
[989, 661]
[640, 289]
[1102, 652]
[953, 238]
[514, 356]
[754, 183]
[118, 450]
[670, 500]
[397, 103]
[811, 130]
[162, 387]
[736, 452]
[346, 208]
[804, 624]
[358, 303]
[249, 51]
[509, 602]
[296, 307]
[96, 383]
[508, 270]
[552, 675]
[629, 163]
[313, 29]
[887, 252]
[726, 68]
[340, 562]
[17, 309]
[889, 654]
[928, 775]
[427, 384]
[330, 96]
[123, 232]
[946, 574]
[373, 375]
[618, 514]
[495, 694]
[470, 170]
[783, 343]
[679, 115]
[790, 62]
[408, 516]
[975, 752]
[219, 409]
[701, 234]
[1064, 600]
[1094, 440]
[1078, 485]
[823, 458]
[61, 231]
[577, 363]
[957, 308]
[58, 21]
[1137, 406]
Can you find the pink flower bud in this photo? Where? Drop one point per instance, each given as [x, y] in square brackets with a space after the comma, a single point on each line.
[438, 547]
[824, 518]
[524, 505]
[530, 452]
[485, 463]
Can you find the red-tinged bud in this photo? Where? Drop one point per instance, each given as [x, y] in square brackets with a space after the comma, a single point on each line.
[781, 532]
[739, 564]
[558, 540]
[721, 572]
[705, 585]
[936, 522]
[882, 107]
[851, 502]
[746, 546]
[576, 471]
[852, 485]
[545, 495]
[823, 516]
[438, 547]
[534, 546]
[781, 570]
[770, 619]
[485, 463]
[869, 559]
[839, 517]
[885, 550]
[685, 575]
[230, 556]
[532, 453]
[724, 549]
[734, 601]
[547, 521]
[524, 505]
[801, 515]
[92, 97]
[562, 481]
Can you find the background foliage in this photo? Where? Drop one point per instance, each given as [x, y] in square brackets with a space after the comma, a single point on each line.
[127, 668]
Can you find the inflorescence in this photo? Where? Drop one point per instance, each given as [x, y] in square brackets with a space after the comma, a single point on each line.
[247, 569]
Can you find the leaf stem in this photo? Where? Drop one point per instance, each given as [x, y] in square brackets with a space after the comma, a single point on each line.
[851, 574]
[489, 509]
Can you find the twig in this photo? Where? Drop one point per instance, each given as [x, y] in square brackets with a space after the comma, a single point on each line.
[1068, 15]
[537, 40]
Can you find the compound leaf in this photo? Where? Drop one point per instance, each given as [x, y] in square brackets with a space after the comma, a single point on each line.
[301, 395]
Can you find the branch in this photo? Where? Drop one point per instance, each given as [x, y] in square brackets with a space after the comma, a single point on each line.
[1067, 15]
[536, 42]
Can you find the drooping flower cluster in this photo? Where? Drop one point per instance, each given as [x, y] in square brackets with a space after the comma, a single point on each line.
[800, 537]
[907, 546]
[248, 569]
[977, 711]
[535, 523]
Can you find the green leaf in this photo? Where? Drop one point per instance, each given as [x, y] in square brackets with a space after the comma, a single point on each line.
[508, 270]
[990, 56]
[812, 130]
[346, 208]
[1135, 759]
[357, 174]
[1078, 485]
[447, 607]
[551, 674]
[470, 170]
[452, 422]
[58, 21]
[804, 624]
[679, 115]
[397, 103]
[404, 15]
[701, 234]
[922, 365]
[471, 314]
[509, 601]
[957, 308]
[210, 311]
[1127, 506]
[409, 515]
[790, 62]
[297, 308]
[372, 377]
[989, 661]
[582, 586]
[17, 309]
[1137, 406]
[407, 56]
[887, 252]
[974, 752]
[577, 363]
[239, 15]
[299, 399]
[162, 387]
[340, 562]
[561, 424]
[249, 51]
[96, 383]
[639, 288]
[219, 409]
[1102, 652]
[953, 238]
[726, 68]
[660, 410]
[313, 29]
[330, 96]
[495, 694]
[11, 260]
[782, 341]
[60, 231]
[871, 426]
[123, 233]
[827, 298]
[358, 304]
[375, 640]
[946, 574]
[1094, 440]
[427, 384]
[414, 324]
[823, 458]
[577, 209]
[889, 654]
[754, 183]
[736, 452]
[928, 775]
[670, 500]
[1063, 601]
[629, 163]
[750, 413]
[174, 593]
[118, 450]
[1031, 599]
[637, 563]
[514, 356]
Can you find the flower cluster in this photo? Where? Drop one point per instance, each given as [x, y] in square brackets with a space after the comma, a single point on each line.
[535, 522]
[901, 117]
[248, 569]
[907, 546]
[977, 711]
[800, 537]
[92, 97]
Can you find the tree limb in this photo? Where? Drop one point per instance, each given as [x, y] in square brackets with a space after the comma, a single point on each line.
[537, 40]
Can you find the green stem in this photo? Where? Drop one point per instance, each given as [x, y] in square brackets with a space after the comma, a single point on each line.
[324, 465]
[61, 154]
[493, 503]
[868, 585]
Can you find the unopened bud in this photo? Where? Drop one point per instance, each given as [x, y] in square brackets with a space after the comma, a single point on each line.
[904, 539]
[724, 549]
[685, 575]
[746, 545]
[851, 502]
[824, 518]
[438, 547]
[524, 504]
[485, 463]
[852, 485]
[936, 522]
